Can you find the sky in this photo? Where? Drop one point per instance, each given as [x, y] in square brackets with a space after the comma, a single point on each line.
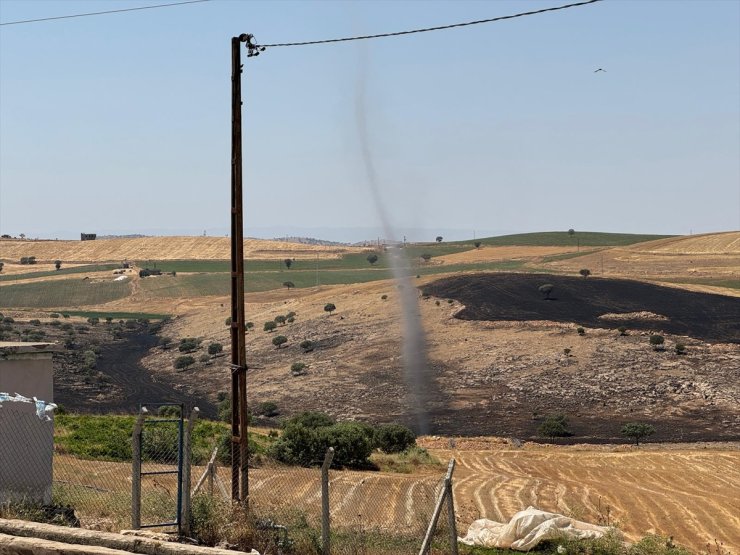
[120, 124]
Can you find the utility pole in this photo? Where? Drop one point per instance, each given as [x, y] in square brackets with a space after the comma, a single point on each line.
[239, 441]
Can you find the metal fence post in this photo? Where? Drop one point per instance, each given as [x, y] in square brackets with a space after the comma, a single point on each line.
[451, 509]
[325, 529]
[446, 490]
[185, 486]
[136, 470]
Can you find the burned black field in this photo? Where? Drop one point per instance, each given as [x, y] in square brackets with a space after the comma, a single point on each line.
[577, 300]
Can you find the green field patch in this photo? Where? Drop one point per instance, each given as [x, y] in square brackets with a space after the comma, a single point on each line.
[62, 293]
[73, 270]
[563, 239]
[117, 315]
[728, 283]
[567, 255]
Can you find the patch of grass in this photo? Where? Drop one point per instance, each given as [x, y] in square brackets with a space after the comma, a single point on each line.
[407, 462]
[567, 255]
[562, 239]
[728, 283]
[62, 293]
[88, 268]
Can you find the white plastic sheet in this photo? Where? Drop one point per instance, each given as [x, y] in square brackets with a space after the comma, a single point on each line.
[44, 410]
[528, 528]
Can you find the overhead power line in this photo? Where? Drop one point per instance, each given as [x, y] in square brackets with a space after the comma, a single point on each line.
[426, 30]
[105, 12]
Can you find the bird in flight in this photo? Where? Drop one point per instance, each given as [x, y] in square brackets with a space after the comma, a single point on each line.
[600, 69]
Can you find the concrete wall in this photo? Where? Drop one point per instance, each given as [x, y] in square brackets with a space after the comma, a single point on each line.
[26, 441]
[27, 371]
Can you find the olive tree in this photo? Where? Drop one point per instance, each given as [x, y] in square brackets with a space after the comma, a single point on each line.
[637, 431]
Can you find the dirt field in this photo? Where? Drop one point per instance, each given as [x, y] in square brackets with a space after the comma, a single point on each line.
[686, 492]
[159, 248]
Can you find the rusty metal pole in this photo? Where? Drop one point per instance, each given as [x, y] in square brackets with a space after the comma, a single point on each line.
[239, 445]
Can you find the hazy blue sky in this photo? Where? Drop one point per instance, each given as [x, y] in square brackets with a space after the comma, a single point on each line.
[121, 123]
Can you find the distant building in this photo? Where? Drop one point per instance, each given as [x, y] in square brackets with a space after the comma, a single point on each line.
[88, 236]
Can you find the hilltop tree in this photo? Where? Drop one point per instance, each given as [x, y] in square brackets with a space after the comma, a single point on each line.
[279, 341]
[288, 284]
[477, 244]
[571, 232]
[329, 307]
[58, 264]
[585, 272]
[372, 258]
[269, 326]
[288, 263]
[439, 239]
[637, 431]
[546, 290]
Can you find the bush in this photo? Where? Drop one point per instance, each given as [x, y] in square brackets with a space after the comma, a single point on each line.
[160, 443]
[585, 272]
[546, 290]
[554, 426]
[204, 358]
[329, 307]
[288, 284]
[426, 257]
[215, 348]
[680, 349]
[227, 322]
[279, 341]
[269, 409]
[188, 345]
[372, 258]
[383, 297]
[8, 319]
[35, 322]
[52, 315]
[581, 331]
[270, 326]
[280, 320]
[297, 368]
[165, 342]
[622, 330]
[249, 325]
[89, 359]
[657, 342]
[93, 321]
[181, 363]
[311, 419]
[307, 346]
[393, 438]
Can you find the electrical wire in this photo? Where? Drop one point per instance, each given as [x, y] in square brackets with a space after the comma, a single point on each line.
[426, 30]
[104, 12]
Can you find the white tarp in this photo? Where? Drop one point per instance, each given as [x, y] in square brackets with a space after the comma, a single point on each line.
[528, 528]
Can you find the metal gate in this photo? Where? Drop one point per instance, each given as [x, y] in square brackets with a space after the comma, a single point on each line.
[158, 467]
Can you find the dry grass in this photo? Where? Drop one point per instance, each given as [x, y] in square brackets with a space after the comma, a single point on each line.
[160, 248]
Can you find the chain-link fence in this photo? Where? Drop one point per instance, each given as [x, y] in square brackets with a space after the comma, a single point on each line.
[80, 470]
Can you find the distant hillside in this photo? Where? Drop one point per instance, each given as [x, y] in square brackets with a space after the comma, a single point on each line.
[310, 241]
[159, 248]
[562, 238]
[709, 243]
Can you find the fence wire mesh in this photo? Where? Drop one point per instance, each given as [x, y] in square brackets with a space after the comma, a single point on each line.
[77, 470]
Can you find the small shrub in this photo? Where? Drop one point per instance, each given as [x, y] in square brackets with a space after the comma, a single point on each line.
[580, 331]
[280, 320]
[329, 307]
[393, 438]
[52, 315]
[585, 272]
[204, 358]
[183, 362]
[546, 290]
[188, 345]
[657, 342]
[383, 297]
[269, 409]
[680, 349]
[288, 284]
[622, 330]
[279, 341]
[227, 322]
[93, 321]
[477, 244]
[8, 319]
[566, 352]
[249, 325]
[372, 258]
[269, 326]
[35, 322]
[290, 320]
[554, 426]
[165, 342]
[298, 368]
[215, 348]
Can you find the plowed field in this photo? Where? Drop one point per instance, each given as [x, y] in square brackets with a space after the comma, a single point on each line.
[688, 493]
